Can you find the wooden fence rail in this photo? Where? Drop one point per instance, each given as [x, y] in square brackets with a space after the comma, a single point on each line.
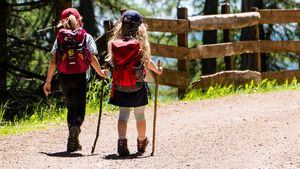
[223, 21]
[169, 51]
[273, 16]
[178, 79]
[167, 25]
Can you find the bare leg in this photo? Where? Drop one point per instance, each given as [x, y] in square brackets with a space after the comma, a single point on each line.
[124, 113]
[141, 129]
[139, 113]
[122, 128]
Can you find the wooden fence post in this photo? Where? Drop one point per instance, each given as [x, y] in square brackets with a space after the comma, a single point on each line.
[59, 6]
[122, 11]
[108, 26]
[225, 9]
[182, 41]
[257, 59]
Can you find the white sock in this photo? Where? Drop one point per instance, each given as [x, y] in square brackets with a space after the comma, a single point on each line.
[141, 139]
[122, 137]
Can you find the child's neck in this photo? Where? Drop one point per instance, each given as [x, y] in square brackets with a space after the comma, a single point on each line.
[127, 38]
[75, 28]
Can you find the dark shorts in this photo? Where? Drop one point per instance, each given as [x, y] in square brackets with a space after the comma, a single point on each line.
[132, 99]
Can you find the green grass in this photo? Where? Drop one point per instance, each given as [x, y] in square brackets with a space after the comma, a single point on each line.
[46, 117]
[2, 111]
[220, 91]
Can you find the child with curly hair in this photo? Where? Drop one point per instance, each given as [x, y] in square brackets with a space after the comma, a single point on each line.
[129, 55]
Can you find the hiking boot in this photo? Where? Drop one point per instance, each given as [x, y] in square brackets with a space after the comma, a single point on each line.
[122, 147]
[73, 140]
[141, 145]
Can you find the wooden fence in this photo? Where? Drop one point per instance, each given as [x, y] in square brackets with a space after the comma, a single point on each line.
[183, 25]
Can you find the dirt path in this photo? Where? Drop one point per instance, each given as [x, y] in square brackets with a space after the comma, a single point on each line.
[251, 131]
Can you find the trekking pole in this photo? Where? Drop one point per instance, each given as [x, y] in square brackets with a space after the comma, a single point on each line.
[100, 113]
[155, 109]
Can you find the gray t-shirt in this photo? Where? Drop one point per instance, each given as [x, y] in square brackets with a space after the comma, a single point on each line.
[90, 44]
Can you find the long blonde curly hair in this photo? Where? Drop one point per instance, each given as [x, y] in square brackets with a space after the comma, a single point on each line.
[141, 35]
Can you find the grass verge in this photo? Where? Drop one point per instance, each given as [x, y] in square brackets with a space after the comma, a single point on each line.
[220, 91]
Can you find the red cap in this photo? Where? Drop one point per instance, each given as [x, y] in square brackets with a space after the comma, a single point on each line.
[71, 11]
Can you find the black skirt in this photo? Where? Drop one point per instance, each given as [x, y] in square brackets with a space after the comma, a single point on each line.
[130, 99]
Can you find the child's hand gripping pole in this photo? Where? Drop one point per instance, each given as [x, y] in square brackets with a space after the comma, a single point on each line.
[155, 109]
[100, 113]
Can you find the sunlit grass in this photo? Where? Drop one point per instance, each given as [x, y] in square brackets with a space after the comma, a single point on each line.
[44, 117]
[2, 111]
[219, 91]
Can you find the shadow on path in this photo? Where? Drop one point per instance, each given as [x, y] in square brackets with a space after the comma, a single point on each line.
[66, 154]
[131, 156]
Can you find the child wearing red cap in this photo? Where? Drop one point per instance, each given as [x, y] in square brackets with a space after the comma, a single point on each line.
[129, 55]
[73, 52]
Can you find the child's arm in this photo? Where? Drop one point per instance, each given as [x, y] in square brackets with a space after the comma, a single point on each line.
[96, 66]
[51, 71]
[154, 68]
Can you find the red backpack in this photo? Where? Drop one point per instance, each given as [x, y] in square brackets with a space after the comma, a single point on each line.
[128, 68]
[72, 56]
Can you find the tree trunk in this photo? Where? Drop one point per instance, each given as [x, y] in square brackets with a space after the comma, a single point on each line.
[265, 56]
[209, 66]
[247, 61]
[266, 35]
[86, 10]
[3, 51]
[59, 6]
